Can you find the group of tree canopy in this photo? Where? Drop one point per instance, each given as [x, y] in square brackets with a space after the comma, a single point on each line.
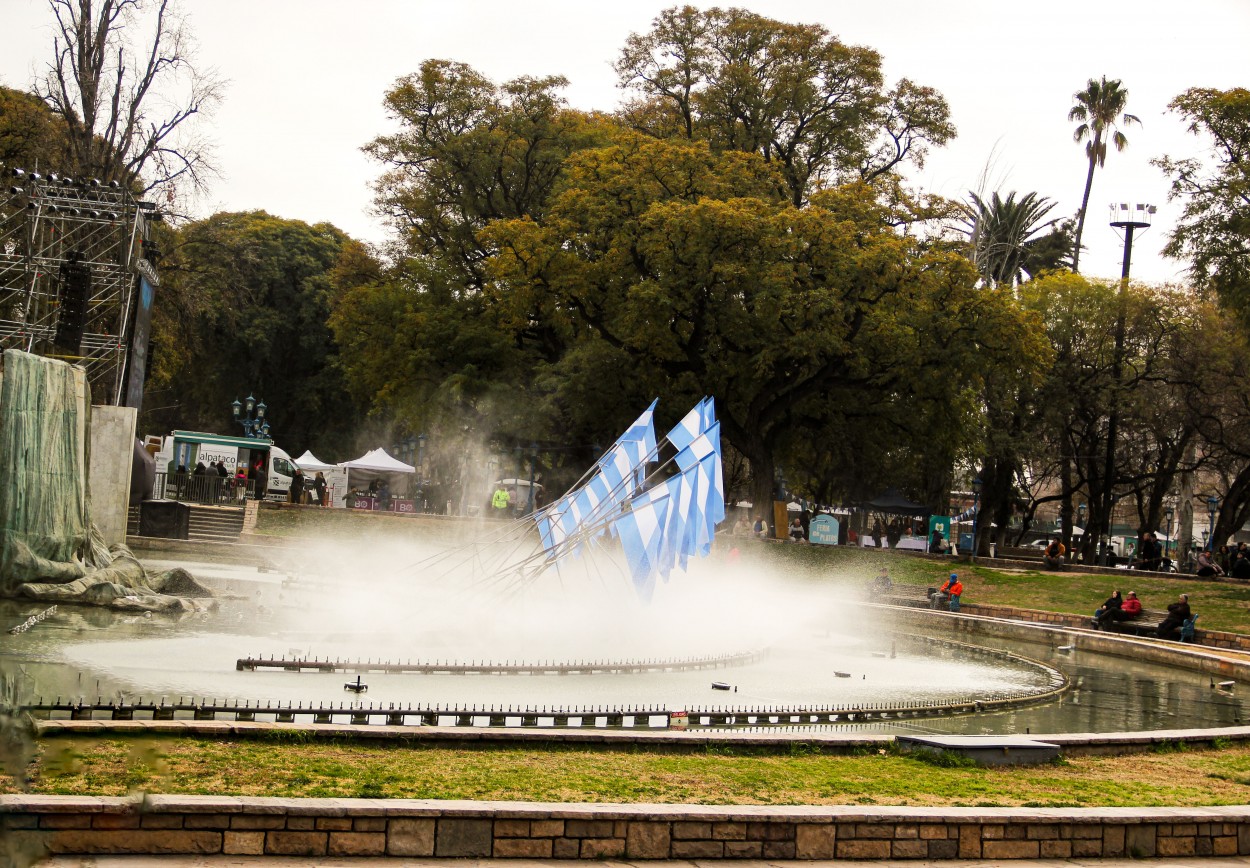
[741, 226]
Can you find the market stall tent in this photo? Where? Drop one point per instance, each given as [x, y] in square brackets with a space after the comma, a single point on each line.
[388, 472]
[308, 462]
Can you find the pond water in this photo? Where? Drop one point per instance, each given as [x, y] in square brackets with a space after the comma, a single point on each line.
[810, 633]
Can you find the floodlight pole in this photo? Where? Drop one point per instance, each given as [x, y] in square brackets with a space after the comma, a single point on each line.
[1130, 221]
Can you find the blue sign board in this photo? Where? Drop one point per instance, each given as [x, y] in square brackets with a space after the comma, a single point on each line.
[823, 530]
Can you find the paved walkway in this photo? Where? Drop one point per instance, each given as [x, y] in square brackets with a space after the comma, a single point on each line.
[323, 862]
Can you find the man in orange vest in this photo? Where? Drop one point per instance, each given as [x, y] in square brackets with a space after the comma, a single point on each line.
[953, 588]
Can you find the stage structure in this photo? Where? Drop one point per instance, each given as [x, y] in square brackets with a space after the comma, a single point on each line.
[73, 267]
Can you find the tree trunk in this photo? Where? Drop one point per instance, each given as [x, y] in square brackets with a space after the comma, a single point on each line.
[1080, 217]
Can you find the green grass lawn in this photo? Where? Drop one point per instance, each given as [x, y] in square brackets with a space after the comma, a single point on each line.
[1220, 605]
[117, 766]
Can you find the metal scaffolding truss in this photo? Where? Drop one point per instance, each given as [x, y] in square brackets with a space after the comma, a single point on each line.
[50, 227]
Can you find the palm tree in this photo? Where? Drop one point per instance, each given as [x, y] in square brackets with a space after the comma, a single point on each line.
[1097, 108]
[1004, 235]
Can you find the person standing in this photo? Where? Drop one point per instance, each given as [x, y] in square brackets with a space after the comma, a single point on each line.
[297, 487]
[319, 485]
[499, 502]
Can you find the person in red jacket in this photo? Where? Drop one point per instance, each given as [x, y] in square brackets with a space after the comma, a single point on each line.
[1129, 609]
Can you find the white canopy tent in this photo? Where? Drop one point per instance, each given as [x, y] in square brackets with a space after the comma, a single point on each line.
[308, 462]
[377, 466]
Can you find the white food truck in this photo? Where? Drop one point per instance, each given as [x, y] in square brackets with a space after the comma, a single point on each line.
[181, 451]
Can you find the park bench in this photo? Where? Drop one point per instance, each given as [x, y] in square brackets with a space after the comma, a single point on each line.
[1147, 623]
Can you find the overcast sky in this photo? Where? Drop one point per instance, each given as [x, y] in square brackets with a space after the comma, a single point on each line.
[306, 81]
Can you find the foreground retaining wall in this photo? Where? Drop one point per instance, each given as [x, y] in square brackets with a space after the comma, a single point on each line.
[70, 825]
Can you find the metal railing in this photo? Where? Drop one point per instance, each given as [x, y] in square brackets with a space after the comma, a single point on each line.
[209, 489]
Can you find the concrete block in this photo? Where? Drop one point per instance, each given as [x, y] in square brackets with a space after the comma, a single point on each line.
[340, 824]
[357, 844]
[815, 841]
[910, 848]
[854, 849]
[684, 831]
[162, 821]
[1112, 841]
[410, 836]
[1041, 832]
[522, 848]
[729, 831]
[369, 824]
[874, 830]
[1085, 847]
[546, 828]
[698, 850]
[457, 837]
[779, 849]
[565, 848]
[65, 821]
[647, 840]
[1057, 849]
[933, 832]
[243, 843]
[257, 822]
[970, 842]
[1224, 845]
[903, 831]
[588, 828]
[602, 848]
[117, 821]
[284, 843]
[206, 821]
[1010, 849]
[512, 828]
[947, 849]
[301, 824]
[744, 849]
[1174, 846]
[1140, 841]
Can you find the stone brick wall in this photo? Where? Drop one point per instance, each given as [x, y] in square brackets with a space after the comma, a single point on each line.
[201, 825]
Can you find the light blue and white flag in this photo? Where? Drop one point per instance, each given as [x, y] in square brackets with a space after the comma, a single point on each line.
[641, 531]
[692, 425]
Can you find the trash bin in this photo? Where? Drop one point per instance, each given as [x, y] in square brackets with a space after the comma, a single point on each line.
[167, 519]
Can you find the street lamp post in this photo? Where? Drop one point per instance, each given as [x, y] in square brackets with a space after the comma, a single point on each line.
[1167, 532]
[529, 504]
[421, 486]
[976, 515]
[1212, 503]
[251, 415]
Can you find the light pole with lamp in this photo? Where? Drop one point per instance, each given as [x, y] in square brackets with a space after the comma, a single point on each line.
[1130, 220]
[976, 515]
[529, 503]
[251, 415]
[1167, 531]
[1213, 503]
[421, 484]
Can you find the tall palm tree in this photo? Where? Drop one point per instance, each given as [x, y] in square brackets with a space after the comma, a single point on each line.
[1099, 108]
[1004, 235]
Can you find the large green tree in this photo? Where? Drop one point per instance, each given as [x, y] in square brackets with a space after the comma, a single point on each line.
[1214, 230]
[690, 268]
[792, 93]
[1100, 110]
[243, 309]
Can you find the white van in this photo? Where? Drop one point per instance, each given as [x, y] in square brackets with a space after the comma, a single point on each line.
[181, 451]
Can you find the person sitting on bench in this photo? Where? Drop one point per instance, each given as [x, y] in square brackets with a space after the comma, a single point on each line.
[1128, 610]
[1178, 614]
[1115, 601]
[1052, 557]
